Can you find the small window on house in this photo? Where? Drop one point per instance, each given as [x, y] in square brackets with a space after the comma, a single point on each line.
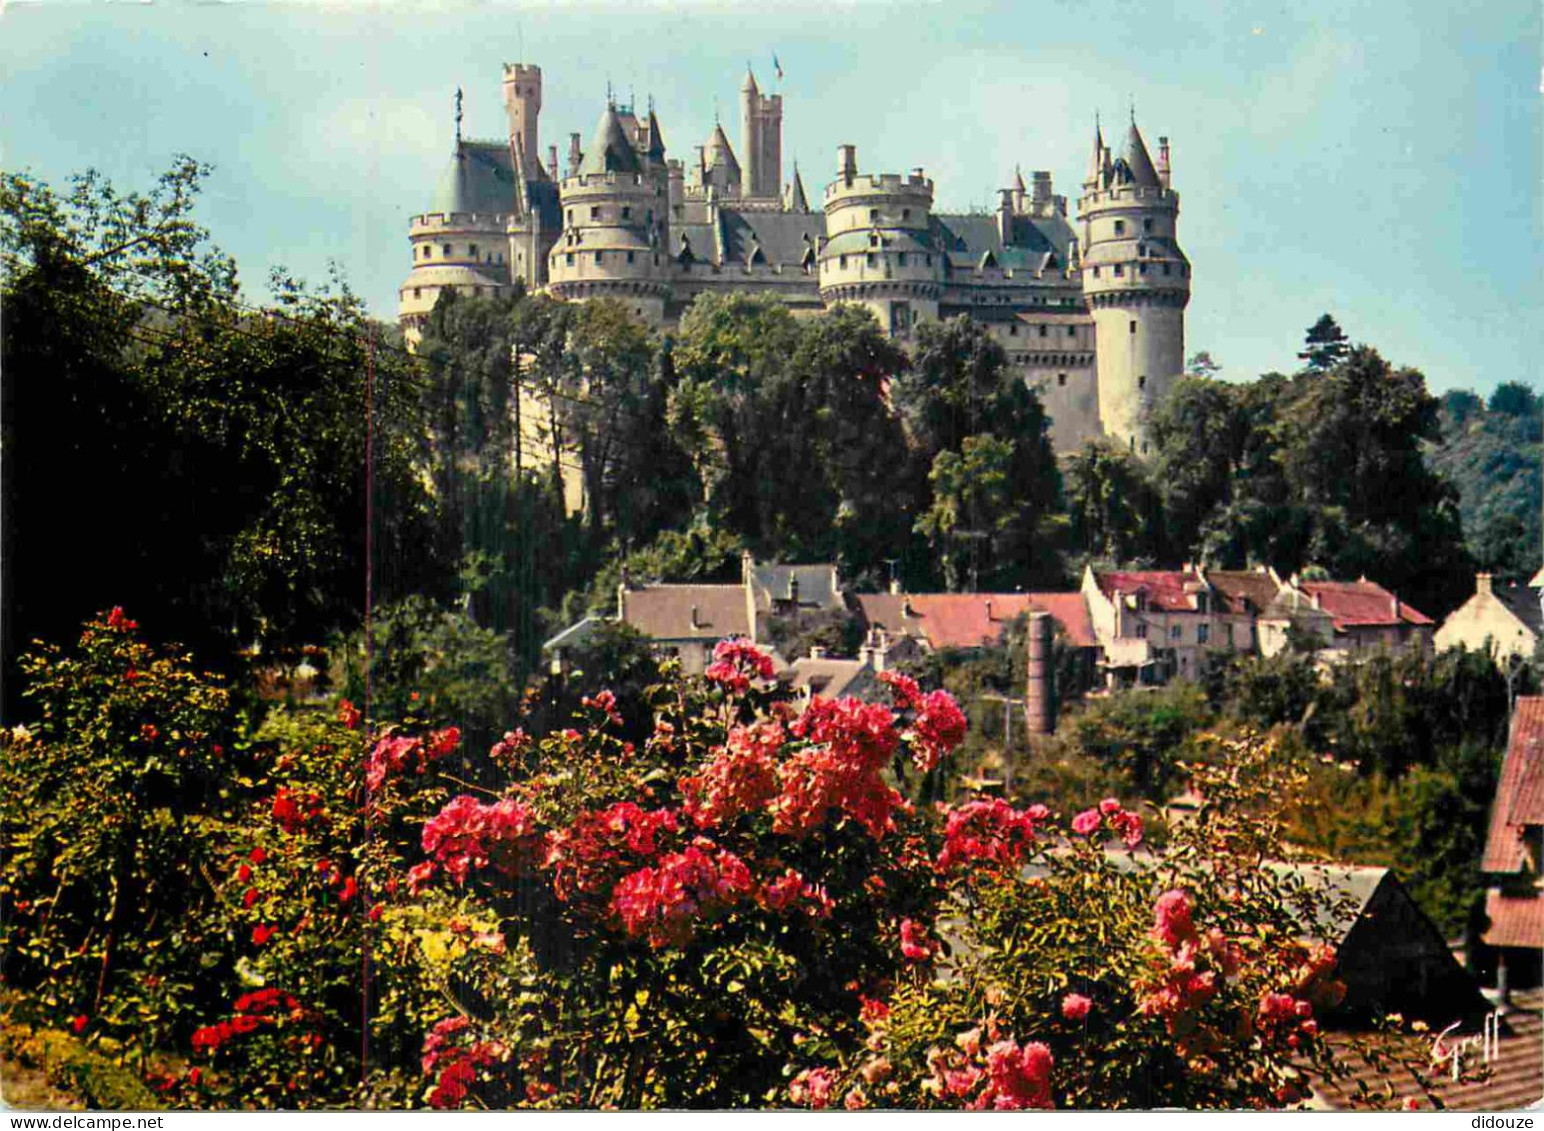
[1141, 631]
[1119, 269]
[1203, 633]
[1165, 268]
[1142, 269]
[1061, 379]
[930, 261]
[1176, 632]
[595, 212]
[873, 239]
[1120, 227]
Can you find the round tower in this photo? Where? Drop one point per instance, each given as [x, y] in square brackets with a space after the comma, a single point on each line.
[522, 101]
[879, 249]
[1136, 281]
[614, 215]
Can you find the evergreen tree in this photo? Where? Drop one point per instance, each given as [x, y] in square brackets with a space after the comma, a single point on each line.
[1325, 346]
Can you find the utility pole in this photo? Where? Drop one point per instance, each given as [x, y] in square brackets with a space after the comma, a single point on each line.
[1008, 704]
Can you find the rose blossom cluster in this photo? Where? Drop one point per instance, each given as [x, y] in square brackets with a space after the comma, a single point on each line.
[791, 890]
[989, 831]
[737, 662]
[467, 834]
[455, 1064]
[937, 723]
[252, 1011]
[392, 755]
[1195, 965]
[294, 810]
[840, 771]
[1122, 822]
[588, 856]
[1010, 1077]
[663, 903]
[740, 778]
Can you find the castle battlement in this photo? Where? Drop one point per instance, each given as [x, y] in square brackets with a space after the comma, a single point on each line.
[440, 221]
[522, 70]
[604, 180]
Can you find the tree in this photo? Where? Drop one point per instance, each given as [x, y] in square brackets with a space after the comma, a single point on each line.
[1112, 508]
[973, 510]
[1201, 365]
[1513, 398]
[1325, 345]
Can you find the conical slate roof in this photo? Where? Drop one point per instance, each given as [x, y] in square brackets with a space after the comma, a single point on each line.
[656, 138]
[610, 152]
[749, 85]
[479, 178]
[719, 151]
[1096, 162]
[1137, 160]
[797, 201]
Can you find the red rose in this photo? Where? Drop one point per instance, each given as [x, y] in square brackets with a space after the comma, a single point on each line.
[262, 933]
[80, 1022]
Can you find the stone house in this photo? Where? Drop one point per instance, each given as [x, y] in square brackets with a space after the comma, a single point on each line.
[1346, 619]
[1154, 625]
[1506, 620]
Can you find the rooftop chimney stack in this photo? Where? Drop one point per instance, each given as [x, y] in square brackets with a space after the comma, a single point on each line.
[1482, 583]
[847, 163]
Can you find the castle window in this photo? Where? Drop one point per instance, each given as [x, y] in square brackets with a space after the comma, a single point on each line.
[1014, 329]
[418, 292]
[629, 257]
[901, 259]
[874, 239]
[446, 250]
[1096, 272]
[472, 250]
[1120, 227]
[1142, 269]
[873, 214]
[627, 212]
[595, 212]
[1133, 327]
[1147, 225]
[1072, 331]
[841, 261]
[873, 260]
[1044, 331]
[570, 215]
[1165, 268]
[569, 259]
[1142, 382]
[598, 255]
[1119, 269]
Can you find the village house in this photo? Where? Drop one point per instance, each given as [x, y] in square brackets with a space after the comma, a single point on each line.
[1513, 864]
[1154, 625]
[1343, 620]
[1505, 620]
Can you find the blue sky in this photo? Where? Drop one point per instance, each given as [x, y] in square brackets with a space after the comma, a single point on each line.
[1377, 160]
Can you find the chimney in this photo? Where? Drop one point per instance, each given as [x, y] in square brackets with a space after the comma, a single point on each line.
[1040, 186]
[906, 610]
[1482, 584]
[1005, 216]
[895, 586]
[817, 652]
[847, 163]
[1039, 689]
[793, 591]
[696, 620]
[1394, 606]
[575, 155]
[552, 162]
[989, 608]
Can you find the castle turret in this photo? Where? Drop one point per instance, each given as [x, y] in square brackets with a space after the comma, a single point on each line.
[522, 101]
[750, 135]
[879, 249]
[1136, 281]
[614, 213]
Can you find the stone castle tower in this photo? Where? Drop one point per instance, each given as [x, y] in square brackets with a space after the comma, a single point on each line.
[1089, 312]
[1136, 281]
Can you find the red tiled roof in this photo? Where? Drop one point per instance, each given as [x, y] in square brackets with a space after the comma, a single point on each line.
[960, 620]
[1353, 603]
[1166, 590]
[1515, 920]
[664, 612]
[1520, 792]
[1238, 585]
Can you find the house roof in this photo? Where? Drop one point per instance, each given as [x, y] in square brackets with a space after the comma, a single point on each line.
[961, 620]
[1362, 603]
[1515, 920]
[771, 581]
[827, 677]
[1255, 586]
[1166, 590]
[666, 612]
[1520, 792]
[576, 633]
[1522, 601]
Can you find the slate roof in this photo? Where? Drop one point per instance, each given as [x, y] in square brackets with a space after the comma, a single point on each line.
[612, 150]
[959, 620]
[1522, 601]
[1137, 163]
[965, 238]
[479, 178]
[664, 612]
[830, 678]
[779, 235]
[1256, 587]
[1520, 792]
[770, 582]
[1361, 603]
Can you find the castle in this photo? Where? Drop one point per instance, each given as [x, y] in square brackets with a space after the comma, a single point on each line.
[1091, 315]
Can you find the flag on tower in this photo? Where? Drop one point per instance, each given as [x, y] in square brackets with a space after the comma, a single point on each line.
[776, 66]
